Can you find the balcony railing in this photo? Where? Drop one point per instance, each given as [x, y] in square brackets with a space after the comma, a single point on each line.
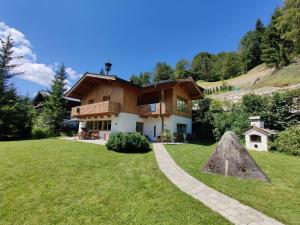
[155, 109]
[99, 108]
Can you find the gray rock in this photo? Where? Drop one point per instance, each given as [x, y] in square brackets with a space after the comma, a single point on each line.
[232, 159]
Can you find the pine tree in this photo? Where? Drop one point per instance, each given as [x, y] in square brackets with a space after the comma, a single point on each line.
[182, 69]
[289, 23]
[55, 109]
[251, 47]
[163, 71]
[275, 50]
[15, 112]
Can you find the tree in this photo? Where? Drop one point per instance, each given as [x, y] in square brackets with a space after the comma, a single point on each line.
[135, 79]
[231, 66]
[202, 66]
[288, 23]
[251, 47]
[275, 50]
[142, 79]
[16, 112]
[145, 78]
[55, 109]
[202, 119]
[182, 69]
[255, 105]
[163, 71]
[280, 111]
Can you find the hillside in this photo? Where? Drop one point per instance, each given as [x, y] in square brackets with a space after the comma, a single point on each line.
[260, 80]
[244, 81]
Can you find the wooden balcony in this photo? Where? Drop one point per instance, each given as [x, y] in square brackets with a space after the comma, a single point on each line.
[96, 109]
[154, 110]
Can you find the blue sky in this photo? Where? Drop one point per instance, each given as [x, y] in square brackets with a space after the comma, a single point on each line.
[134, 34]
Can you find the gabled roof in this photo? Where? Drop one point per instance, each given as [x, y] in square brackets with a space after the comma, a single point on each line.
[261, 130]
[88, 79]
[44, 94]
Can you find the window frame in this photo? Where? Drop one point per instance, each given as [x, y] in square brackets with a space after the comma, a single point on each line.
[139, 127]
[182, 104]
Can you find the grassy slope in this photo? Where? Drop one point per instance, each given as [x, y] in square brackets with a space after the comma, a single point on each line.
[62, 182]
[287, 76]
[278, 199]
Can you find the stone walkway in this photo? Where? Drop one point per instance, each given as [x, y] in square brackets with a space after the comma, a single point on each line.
[231, 209]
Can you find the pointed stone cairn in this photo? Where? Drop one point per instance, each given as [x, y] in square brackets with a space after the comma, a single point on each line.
[232, 159]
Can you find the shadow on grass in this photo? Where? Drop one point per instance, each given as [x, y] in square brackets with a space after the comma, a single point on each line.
[132, 151]
[205, 142]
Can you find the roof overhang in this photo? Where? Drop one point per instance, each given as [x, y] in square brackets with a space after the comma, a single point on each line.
[260, 130]
[195, 91]
[89, 79]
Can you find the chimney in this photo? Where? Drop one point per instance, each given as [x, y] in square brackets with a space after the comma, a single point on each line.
[255, 121]
[108, 65]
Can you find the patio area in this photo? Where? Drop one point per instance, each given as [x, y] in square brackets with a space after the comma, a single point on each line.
[92, 141]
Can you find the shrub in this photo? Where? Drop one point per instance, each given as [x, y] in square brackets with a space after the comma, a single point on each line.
[39, 133]
[128, 142]
[288, 142]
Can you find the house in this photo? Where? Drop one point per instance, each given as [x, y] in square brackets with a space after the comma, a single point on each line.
[111, 104]
[39, 100]
[257, 136]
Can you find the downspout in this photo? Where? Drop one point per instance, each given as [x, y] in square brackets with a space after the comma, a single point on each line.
[160, 111]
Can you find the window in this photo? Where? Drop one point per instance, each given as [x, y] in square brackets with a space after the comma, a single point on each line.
[255, 138]
[91, 101]
[99, 125]
[182, 105]
[89, 125]
[106, 98]
[95, 125]
[154, 131]
[106, 125]
[139, 127]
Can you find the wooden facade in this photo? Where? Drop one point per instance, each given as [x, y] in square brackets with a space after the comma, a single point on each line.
[106, 95]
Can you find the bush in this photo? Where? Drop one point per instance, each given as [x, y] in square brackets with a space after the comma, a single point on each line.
[288, 142]
[39, 133]
[128, 142]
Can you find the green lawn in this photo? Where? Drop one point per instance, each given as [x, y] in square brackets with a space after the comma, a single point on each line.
[62, 182]
[279, 199]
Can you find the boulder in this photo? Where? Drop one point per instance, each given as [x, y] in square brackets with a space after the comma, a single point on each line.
[232, 159]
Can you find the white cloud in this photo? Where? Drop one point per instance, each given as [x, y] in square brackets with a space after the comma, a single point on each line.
[73, 75]
[32, 70]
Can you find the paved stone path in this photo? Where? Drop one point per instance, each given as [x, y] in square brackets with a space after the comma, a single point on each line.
[231, 209]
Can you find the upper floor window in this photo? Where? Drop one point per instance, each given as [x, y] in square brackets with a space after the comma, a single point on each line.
[182, 104]
[106, 98]
[91, 101]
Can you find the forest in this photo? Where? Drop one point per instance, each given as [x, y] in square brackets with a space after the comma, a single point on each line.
[276, 44]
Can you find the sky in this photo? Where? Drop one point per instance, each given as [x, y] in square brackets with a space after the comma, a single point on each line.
[133, 34]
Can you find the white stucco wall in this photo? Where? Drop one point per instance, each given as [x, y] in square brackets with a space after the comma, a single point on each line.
[262, 146]
[126, 122]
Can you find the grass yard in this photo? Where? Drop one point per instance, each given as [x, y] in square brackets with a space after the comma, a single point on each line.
[279, 199]
[63, 182]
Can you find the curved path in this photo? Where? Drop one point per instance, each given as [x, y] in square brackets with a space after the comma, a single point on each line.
[231, 209]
